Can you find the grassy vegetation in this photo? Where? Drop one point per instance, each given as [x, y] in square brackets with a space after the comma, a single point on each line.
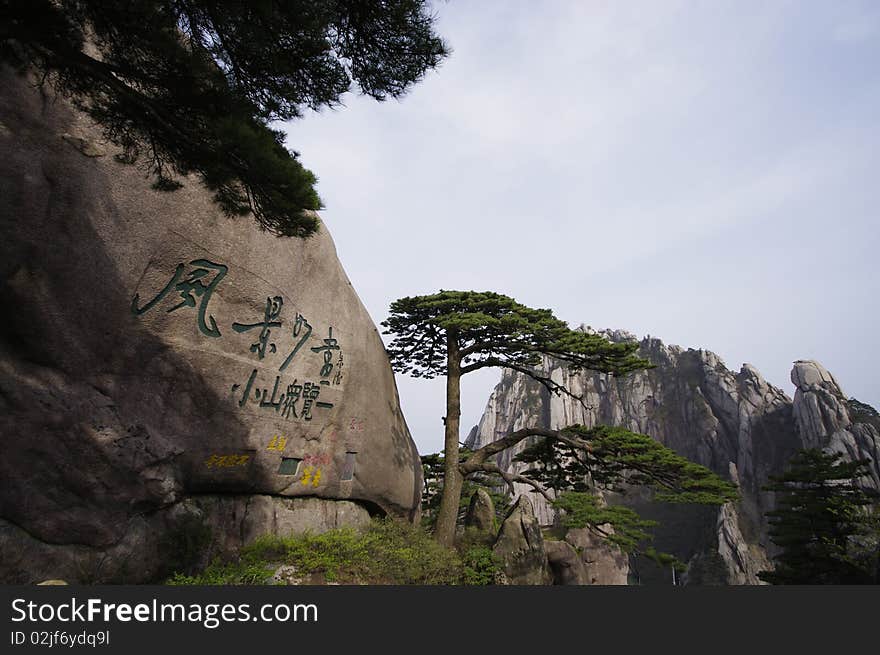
[386, 552]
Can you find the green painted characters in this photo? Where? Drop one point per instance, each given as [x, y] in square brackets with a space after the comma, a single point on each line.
[198, 279]
[194, 283]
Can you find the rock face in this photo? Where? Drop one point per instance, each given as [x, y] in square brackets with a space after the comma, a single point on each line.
[167, 371]
[826, 419]
[565, 564]
[481, 512]
[520, 547]
[603, 564]
[732, 422]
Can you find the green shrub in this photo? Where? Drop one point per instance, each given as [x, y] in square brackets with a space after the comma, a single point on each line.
[480, 566]
[401, 553]
[386, 552]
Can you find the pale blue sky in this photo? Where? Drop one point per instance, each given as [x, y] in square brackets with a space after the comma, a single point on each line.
[705, 172]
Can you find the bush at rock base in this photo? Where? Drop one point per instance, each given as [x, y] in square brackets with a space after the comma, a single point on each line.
[481, 566]
[386, 552]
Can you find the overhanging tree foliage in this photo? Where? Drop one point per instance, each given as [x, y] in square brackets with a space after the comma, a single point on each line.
[825, 524]
[608, 458]
[569, 466]
[453, 333]
[191, 86]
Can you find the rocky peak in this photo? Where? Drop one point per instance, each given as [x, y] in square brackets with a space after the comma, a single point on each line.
[808, 375]
[826, 419]
[736, 423]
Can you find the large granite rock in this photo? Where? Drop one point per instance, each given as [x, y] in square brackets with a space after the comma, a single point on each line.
[520, 547]
[164, 366]
[826, 419]
[481, 512]
[736, 423]
[565, 564]
[603, 563]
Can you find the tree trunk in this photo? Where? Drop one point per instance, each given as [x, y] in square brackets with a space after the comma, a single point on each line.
[447, 515]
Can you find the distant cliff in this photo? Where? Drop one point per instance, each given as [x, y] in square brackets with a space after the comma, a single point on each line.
[737, 424]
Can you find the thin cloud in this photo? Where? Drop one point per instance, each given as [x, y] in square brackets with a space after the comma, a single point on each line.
[703, 172]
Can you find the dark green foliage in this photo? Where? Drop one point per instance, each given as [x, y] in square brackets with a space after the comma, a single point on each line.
[190, 86]
[556, 465]
[480, 566]
[615, 458]
[619, 525]
[825, 524]
[493, 330]
[432, 489]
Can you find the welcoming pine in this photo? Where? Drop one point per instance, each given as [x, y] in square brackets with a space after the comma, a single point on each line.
[454, 333]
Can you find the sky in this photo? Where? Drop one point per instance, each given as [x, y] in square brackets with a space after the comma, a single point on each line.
[702, 172]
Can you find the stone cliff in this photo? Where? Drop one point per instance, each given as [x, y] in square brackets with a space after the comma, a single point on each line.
[173, 382]
[735, 423]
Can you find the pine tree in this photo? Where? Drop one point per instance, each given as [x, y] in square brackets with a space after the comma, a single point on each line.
[825, 523]
[568, 467]
[191, 86]
[454, 333]
[604, 458]
[581, 459]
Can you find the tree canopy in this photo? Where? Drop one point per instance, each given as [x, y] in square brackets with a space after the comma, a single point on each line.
[191, 86]
[825, 523]
[609, 458]
[569, 466]
[453, 333]
[493, 330]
